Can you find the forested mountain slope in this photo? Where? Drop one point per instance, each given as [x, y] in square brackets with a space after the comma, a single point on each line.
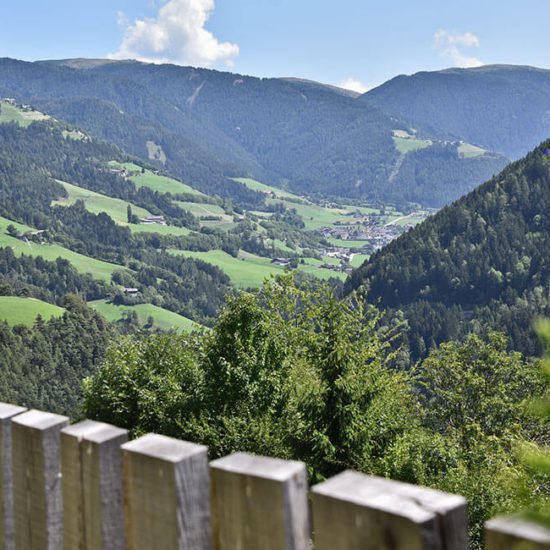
[504, 108]
[34, 163]
[484, 259]
[211, 126]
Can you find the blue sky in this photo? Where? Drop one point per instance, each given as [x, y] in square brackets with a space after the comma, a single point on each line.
[358, 42]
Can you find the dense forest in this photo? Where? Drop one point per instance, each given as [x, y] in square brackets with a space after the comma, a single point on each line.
[31, 162]
[43, 366]
[501, 107]
[483, 261]
[212, 126]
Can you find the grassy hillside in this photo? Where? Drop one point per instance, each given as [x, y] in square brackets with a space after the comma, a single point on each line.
[117, 210]
[156, 182]
[163, 319]
[246, 271]
[159, 229]
[11, 113]
[206, 127]
[249, 270]
[38, 164]
[266, 189]
[406, 145]
[97, 203]
[23, 311]
[84, 264]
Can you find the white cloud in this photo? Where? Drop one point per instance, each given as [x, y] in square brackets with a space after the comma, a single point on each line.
[176, 35]
[450, 44]
[354, 86]
[122, 20]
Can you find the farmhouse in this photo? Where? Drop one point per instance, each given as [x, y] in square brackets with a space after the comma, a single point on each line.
[281, 261]
[159, 220]
[130, 291]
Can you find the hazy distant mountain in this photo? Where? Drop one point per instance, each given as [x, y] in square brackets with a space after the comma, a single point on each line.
[500, 107]
[483, 260]
[211, 125]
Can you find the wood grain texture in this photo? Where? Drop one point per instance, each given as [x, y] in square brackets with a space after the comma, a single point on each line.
[166, 494]
[259, 502]
[37, 480]
[91, 464]
[353, 511]
[516, 533]
[7, 521]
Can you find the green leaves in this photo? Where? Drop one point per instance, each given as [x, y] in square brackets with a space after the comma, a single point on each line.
[295, 372]
[536, 458]
[289, 371]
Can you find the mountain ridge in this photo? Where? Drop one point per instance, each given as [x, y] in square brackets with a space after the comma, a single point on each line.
[302, 135]
[482, 260]
[504, 108]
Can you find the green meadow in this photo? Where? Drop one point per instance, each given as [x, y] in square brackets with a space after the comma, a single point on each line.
[347, 244]
[250, 271]
[163, 318]
[321, 273]
[10, 113]
[83, 264]
[408, 145]
[315, 216]
[117, 210]
[267, 189]
[246, 271]
[358, 260]
[97, 203]
[156, 182]
[467, 150]
[160, 229]
[130, 166]
[23, 311]
[200, 210]
[163, 184]
[311, 267]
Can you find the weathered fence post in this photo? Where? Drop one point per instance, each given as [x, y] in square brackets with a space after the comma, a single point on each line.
[259, 502]
[166, 494]
[516, 533]
[353, 511]
[91, 464]
[7, 527]
[36, 480]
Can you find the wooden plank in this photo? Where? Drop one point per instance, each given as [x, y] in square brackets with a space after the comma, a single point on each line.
[91, 464]
[353, 511]
[516, 533]
[259, 502]
[166, 494]
[7, 522]
[37, 480]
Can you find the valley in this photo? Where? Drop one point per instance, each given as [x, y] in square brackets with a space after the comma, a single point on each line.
[316, 237]
[275, 274]
[251, 215]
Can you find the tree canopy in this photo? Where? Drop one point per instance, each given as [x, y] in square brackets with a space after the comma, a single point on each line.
[293, 372]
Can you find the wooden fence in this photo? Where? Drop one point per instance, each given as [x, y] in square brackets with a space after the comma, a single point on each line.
[86, 487]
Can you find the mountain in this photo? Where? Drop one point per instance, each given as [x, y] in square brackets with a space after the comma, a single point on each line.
[483, 260]
[207, 126]
[69, 223]
[502, 108]
[133, 240]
